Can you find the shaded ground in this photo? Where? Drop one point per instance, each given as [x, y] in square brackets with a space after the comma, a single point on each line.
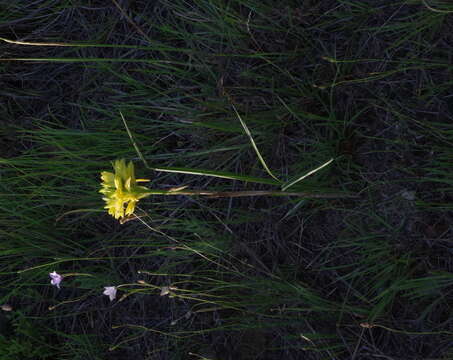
[368, 84]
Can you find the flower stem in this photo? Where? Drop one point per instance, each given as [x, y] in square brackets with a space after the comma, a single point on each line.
[232, 194]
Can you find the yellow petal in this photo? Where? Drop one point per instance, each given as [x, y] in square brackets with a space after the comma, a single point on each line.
[130, 172]
[118, 183]
[130, 208]
[108, 178]
[127, 184]
[120, 167]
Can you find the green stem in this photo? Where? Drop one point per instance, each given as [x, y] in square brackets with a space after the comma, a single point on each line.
[231, 194]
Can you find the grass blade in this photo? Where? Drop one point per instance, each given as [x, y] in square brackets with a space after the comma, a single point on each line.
[249, 134]
[287, 186]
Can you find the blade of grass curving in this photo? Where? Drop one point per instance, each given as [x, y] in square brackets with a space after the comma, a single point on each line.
[287, 186]
[140, 155]
[249, 134]
[436, 10]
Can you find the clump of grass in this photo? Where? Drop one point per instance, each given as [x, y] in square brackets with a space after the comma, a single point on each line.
[366, 84]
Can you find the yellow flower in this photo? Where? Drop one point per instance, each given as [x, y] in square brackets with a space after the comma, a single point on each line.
[120, 189]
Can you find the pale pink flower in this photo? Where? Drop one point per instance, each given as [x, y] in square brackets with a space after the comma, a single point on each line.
[56, 279]
[110, 291]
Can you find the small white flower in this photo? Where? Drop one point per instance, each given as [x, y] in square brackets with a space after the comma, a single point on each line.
[6, 307]
[110, 291]
[164, 291]
[56, 279]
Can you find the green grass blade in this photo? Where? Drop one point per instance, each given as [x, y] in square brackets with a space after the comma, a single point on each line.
[287, 186]
[218, 174]
[249, 134]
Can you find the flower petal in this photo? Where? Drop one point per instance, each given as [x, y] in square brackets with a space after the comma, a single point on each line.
[130, 207]
[55, 279]
[108, 178]
[110, 291]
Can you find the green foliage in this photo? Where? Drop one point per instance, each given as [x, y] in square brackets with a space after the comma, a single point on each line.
[25, 342]
[366, 83]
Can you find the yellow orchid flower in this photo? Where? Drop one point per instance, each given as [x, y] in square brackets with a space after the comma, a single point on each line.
[120, 189]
